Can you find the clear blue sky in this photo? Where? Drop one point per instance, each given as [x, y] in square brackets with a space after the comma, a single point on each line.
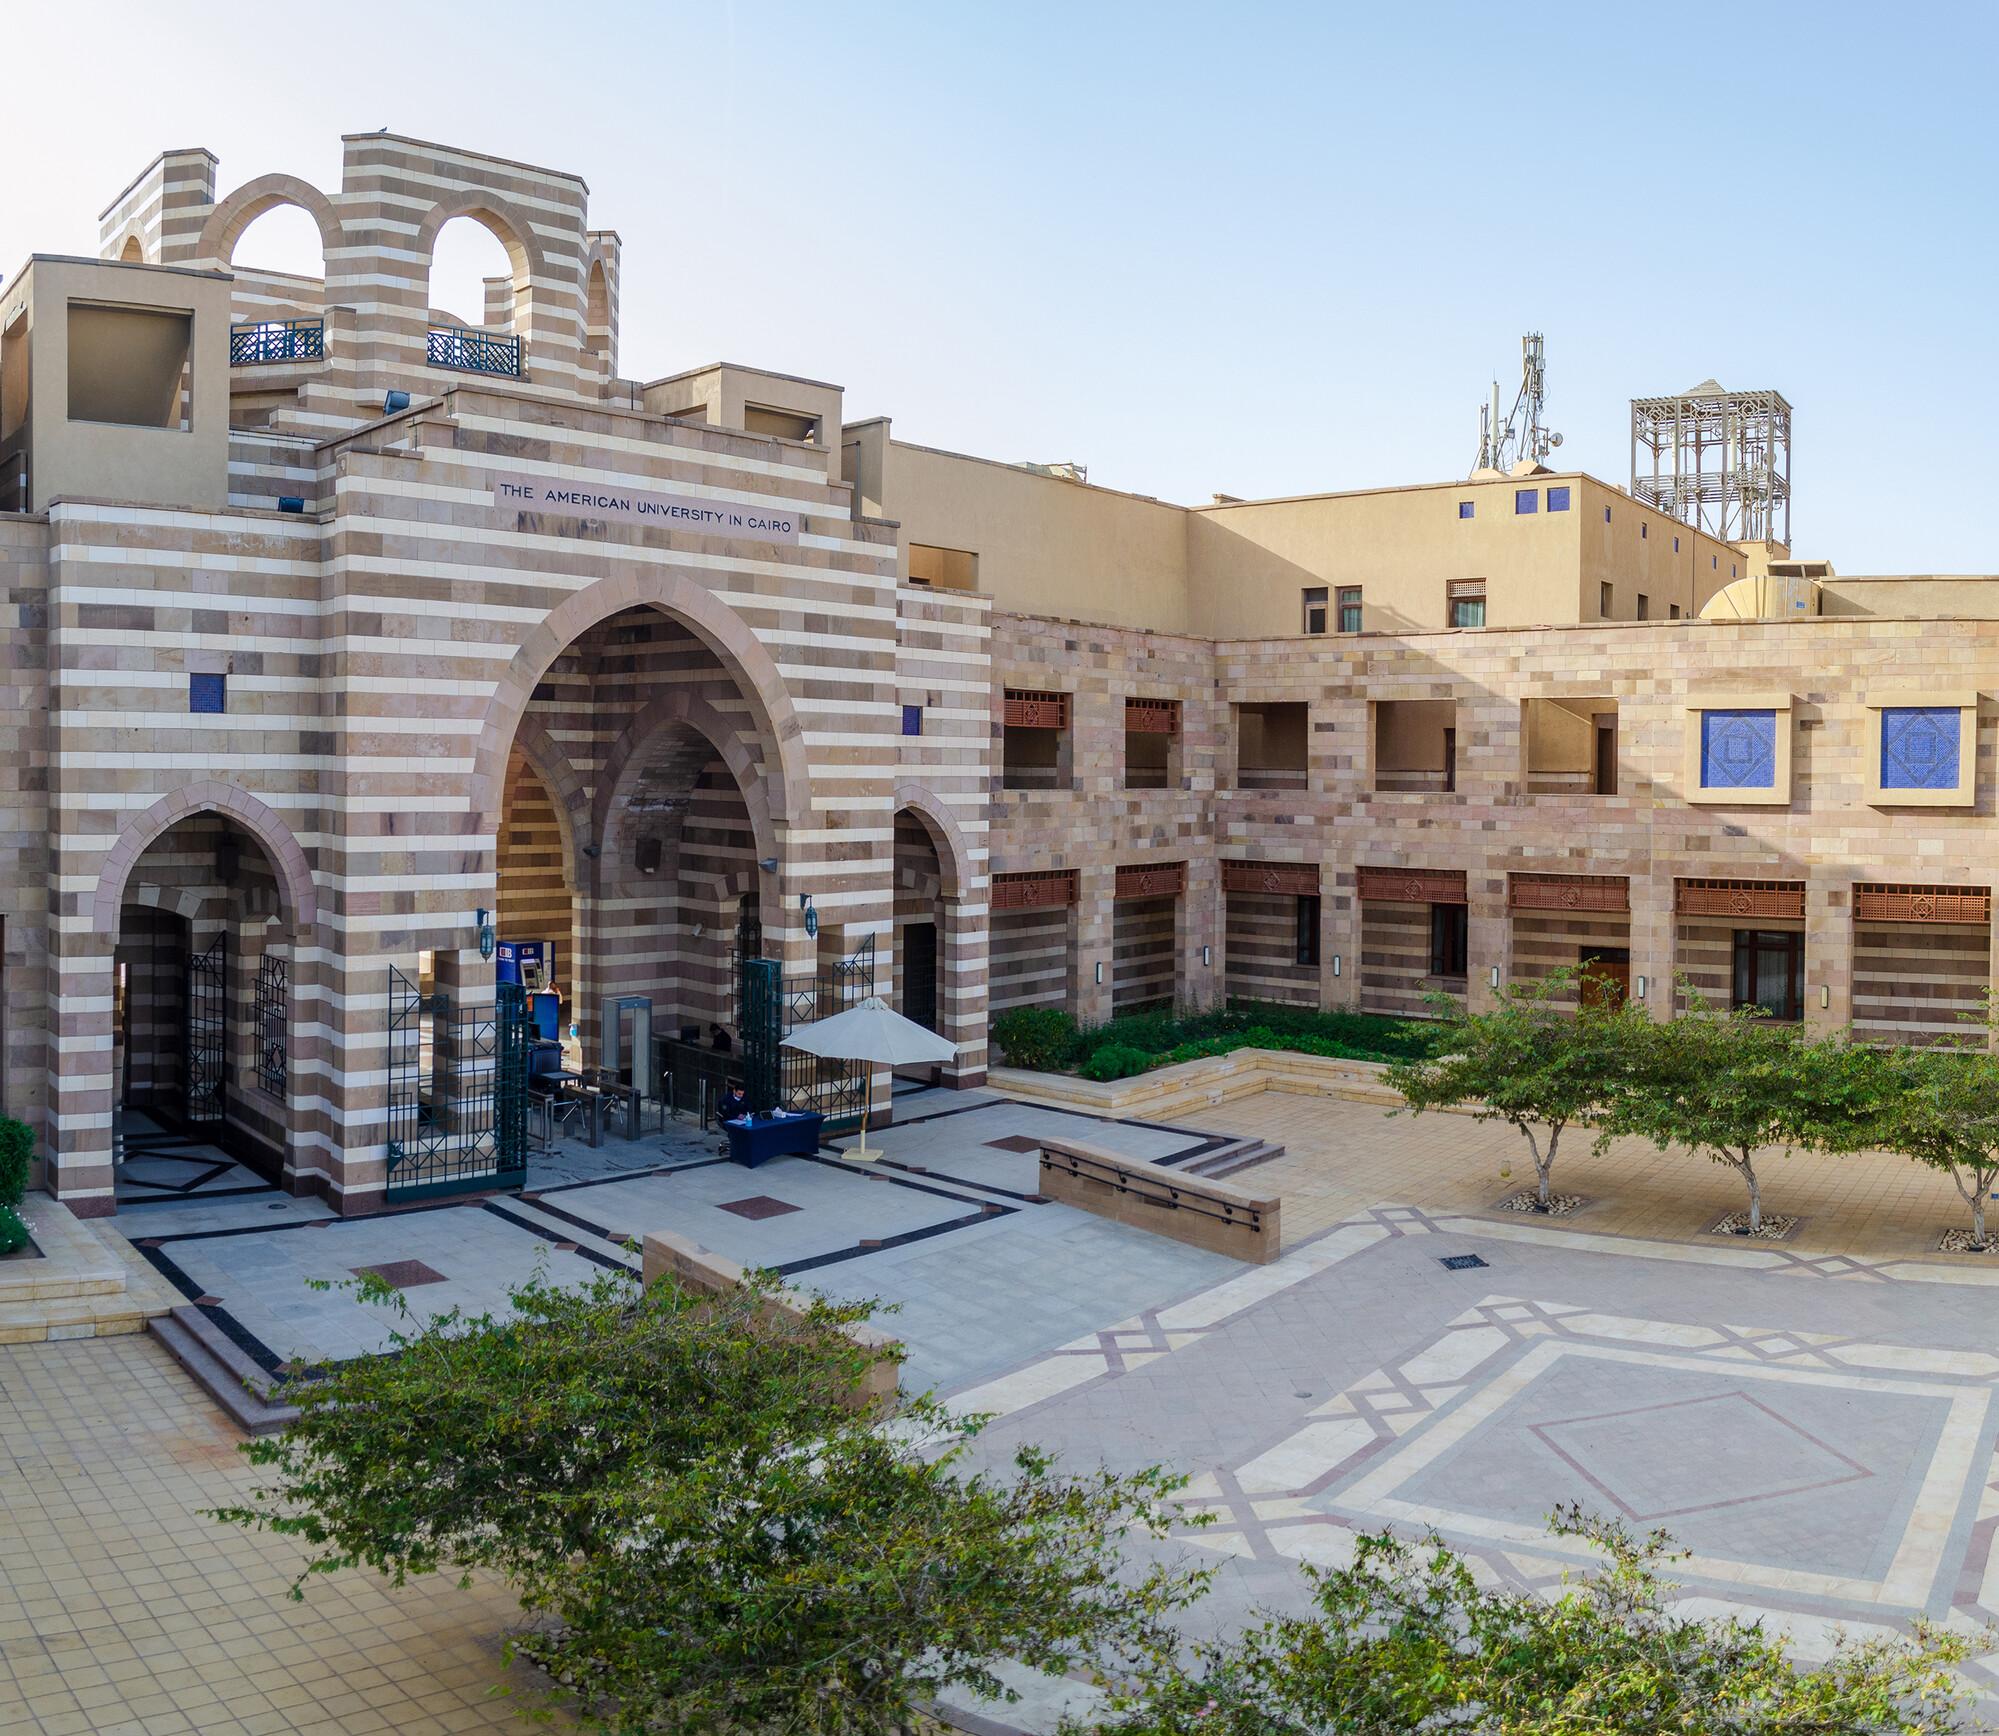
[1254, 249]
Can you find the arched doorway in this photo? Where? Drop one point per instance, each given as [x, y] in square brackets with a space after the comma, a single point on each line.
[919, 922]
[202, 970]
[637, 844]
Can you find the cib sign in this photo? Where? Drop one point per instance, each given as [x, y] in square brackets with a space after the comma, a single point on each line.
[592, 499]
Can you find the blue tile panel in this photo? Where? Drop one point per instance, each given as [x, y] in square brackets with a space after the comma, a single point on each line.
[1919, 747]
[1738, 750]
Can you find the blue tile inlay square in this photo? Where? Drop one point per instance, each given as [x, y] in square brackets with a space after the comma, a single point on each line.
[1919, 747]
[1738, 750]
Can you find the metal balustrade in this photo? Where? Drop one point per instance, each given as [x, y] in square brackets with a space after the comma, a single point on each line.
[277, 340]
[474, 352]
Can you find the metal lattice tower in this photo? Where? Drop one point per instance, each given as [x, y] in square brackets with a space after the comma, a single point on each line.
[1719, 461]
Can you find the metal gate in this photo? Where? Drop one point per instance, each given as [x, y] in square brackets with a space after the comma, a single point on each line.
[206, 1071]
[273, 1022]
[773, 1007]
[761, 1000]
[457, 1093]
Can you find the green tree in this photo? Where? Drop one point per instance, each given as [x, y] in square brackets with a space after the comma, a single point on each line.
[1408, 1641]
[1533, 1060]
[711, 1537]
[1730, 1084]
[1940, 1106]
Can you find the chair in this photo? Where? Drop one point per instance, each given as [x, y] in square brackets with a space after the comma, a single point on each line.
[546, 1080]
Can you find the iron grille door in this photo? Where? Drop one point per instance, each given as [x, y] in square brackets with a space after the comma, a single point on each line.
[273, 1022]
[457, 1093]
[762, 995]
[207, 1033]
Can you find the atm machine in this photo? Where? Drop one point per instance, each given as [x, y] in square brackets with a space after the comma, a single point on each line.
[531, 963]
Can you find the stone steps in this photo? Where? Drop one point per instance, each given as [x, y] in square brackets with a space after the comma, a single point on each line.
[1240, 1154]
[222, 1370]
[81, 1287]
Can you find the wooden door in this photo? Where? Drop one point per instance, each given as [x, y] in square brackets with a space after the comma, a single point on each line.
[1606, 978]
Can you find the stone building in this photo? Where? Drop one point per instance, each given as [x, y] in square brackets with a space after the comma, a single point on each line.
[351, 644]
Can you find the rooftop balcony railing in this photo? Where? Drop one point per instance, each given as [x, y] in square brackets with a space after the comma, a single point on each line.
[277, 340]
[475, 352]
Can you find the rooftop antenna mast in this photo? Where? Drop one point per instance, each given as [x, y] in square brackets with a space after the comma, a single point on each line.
[1521, 435]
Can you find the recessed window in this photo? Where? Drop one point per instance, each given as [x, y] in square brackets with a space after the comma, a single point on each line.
[208, 693]
[1644, 607]
[1714, 561]
[1465, 599]
[1672, 611]
[912, 720]
[1644, 531]
[1449, 929]
[129, 365]
[1604, 600]
[1526, 500]
[1739, 750]
[1467, 509]
[1606, 515]
[1558, 500]
[1315, 608]
[1676, 545]
[1769, 972]
[1305, 949]
[943, 569]
[1350, 608]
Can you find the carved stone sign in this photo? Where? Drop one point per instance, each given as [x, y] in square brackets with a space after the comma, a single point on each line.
[605, 498]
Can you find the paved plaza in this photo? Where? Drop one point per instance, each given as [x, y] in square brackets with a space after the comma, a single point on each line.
[1813, 1419]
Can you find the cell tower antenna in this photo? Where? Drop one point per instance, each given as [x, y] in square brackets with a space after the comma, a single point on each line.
[1522, 436]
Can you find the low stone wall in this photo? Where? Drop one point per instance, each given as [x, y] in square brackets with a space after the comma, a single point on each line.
[704, 1273]
[1211, 1080]
[1193, 1209]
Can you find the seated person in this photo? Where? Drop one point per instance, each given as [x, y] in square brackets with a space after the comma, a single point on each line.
[734, 1104]
[719, 1040]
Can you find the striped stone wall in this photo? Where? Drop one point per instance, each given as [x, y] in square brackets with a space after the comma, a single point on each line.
[1261, 937]
[1143, 956]
[1918, 982]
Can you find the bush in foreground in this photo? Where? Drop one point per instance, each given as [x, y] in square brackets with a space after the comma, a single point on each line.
[1037, 1037]
[1406, 1640]
[708, 1538]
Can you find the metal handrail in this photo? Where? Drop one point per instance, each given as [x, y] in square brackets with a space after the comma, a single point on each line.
[473, 351]
[277, 340]
[1185, 1197]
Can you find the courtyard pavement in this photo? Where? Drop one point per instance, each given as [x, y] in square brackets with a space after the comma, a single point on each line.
[1813, 1418]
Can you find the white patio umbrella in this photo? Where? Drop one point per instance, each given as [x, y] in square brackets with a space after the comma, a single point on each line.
[870, 1031]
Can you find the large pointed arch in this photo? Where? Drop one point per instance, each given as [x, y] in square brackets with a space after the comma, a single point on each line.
[628, 756]
[787, 783]
[297, 895]
[250, 201]
[954, 849]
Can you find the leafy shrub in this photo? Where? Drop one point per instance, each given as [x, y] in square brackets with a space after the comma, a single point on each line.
[13, 1233]
[17, 1151]
[1168, 1039]
[1115, 1061]
[1040, 1037]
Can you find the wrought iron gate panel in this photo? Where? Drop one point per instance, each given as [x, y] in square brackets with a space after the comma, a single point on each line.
[206, 1071]
[771, 1007]
[761, 997]
[457, 1092]
[273, 1022]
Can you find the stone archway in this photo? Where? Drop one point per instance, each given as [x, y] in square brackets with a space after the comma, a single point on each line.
[939, 889]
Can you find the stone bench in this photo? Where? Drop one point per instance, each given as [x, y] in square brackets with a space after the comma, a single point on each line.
[1194, 1209]
[704, 1273]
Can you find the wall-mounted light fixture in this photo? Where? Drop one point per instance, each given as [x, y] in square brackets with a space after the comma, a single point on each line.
[768, 864]
[1207, 955]
[811, 916]
[1336, 964]
[1100, 970]
[1494, 978]
[1641, 988]
[1825, 994]
[484, 928]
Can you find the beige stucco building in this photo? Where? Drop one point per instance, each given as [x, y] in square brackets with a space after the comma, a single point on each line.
[351, 647]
